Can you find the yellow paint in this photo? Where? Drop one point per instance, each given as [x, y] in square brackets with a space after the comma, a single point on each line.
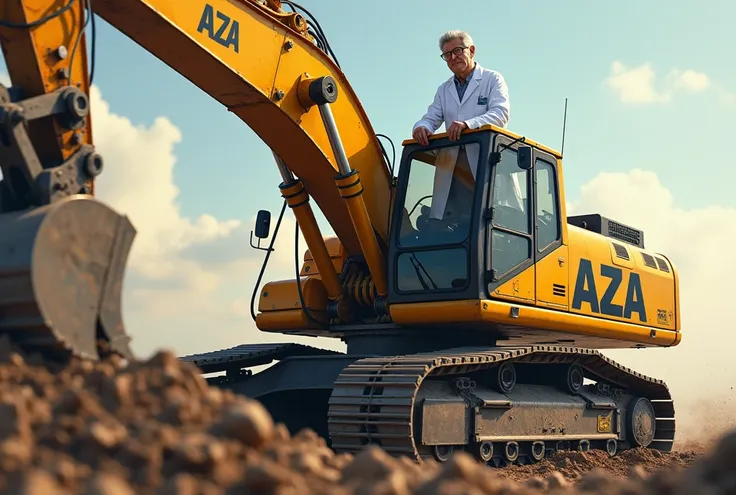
[442, 312]
[658, 287]
[32, 64]
[245, 83]
[280, 310]
[352, 192]
[283, 295]
[298, 201]
[283, 321]
[561, 192]
[336, 253]
[493, 315]
[553, 284]
[617, 260]
[676, 277]
[518, 288]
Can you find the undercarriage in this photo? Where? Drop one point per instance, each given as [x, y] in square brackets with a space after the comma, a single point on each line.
[504, 405]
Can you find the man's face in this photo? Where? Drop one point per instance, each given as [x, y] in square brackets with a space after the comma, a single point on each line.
[458, 64]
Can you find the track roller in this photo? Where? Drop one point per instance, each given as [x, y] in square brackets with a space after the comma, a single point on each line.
[442, 453]
[537, 450]
[484, 451]
[504, 378]
[611, 447]
[511, 452]
[575, 378]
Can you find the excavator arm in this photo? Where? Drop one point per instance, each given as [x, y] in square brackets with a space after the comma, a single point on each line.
[261, 62]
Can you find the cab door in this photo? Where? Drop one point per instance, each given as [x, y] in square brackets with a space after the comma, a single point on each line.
[550, 253]
[510, 227]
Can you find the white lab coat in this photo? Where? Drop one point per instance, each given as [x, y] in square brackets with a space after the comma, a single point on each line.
[486, 101]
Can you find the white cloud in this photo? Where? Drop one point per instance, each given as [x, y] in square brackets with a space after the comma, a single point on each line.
[639, 84]
[634, 85]
[690, 80]
[700, 370]
[138, 180]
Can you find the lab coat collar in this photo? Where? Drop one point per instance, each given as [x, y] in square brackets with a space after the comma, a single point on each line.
[473, 82]
[475, 73]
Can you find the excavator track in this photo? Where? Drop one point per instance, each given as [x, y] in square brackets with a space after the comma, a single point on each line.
[431, 404]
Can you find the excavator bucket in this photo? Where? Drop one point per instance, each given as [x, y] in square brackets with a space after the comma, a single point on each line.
[61, 275]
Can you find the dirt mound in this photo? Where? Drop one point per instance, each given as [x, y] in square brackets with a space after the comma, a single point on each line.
[573, 465]
[155, 427]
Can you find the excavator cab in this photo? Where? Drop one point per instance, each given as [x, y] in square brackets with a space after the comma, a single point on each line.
[444, 186]
[465, 216]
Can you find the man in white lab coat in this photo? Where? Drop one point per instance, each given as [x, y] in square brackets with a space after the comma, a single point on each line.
[474, 96]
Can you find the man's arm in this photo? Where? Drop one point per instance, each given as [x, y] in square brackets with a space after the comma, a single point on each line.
[499, 106]
[434, 118]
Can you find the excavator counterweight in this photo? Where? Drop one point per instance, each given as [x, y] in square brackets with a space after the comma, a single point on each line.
[472, 306]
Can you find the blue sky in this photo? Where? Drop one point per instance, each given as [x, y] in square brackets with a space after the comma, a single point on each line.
[547, 51]
[668, 110]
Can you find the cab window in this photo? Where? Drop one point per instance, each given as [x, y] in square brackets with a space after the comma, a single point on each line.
[511, 239]
[440, 191]
[548, 228]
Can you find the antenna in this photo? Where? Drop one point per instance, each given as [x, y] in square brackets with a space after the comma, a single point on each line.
[564, 123]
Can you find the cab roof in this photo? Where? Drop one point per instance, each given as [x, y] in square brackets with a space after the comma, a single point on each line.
[499, 130]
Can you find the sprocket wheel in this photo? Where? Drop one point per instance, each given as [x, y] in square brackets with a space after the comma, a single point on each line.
[641, 422]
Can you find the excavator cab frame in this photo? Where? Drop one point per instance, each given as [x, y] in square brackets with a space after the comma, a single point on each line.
[493, 233]
[435, 255]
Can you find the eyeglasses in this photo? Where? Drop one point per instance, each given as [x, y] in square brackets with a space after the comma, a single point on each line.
[457, 51]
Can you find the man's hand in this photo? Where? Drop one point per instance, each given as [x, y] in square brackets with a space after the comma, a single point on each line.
[455, 129]
[421, 134]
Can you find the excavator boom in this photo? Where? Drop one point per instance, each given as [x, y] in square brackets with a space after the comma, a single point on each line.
[256, 61]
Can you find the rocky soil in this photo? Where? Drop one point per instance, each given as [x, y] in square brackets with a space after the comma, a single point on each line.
[155, 427]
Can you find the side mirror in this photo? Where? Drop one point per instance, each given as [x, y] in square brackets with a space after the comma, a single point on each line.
[524, 157]
[263, 224]
[263, 228]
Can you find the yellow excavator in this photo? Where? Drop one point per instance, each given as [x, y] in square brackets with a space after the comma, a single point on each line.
[473, 319]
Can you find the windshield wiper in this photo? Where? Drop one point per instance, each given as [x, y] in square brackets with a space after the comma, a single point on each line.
[504, 146]
[417, 264]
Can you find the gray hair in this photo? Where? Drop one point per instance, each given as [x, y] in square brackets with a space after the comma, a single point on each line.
[455, 34]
